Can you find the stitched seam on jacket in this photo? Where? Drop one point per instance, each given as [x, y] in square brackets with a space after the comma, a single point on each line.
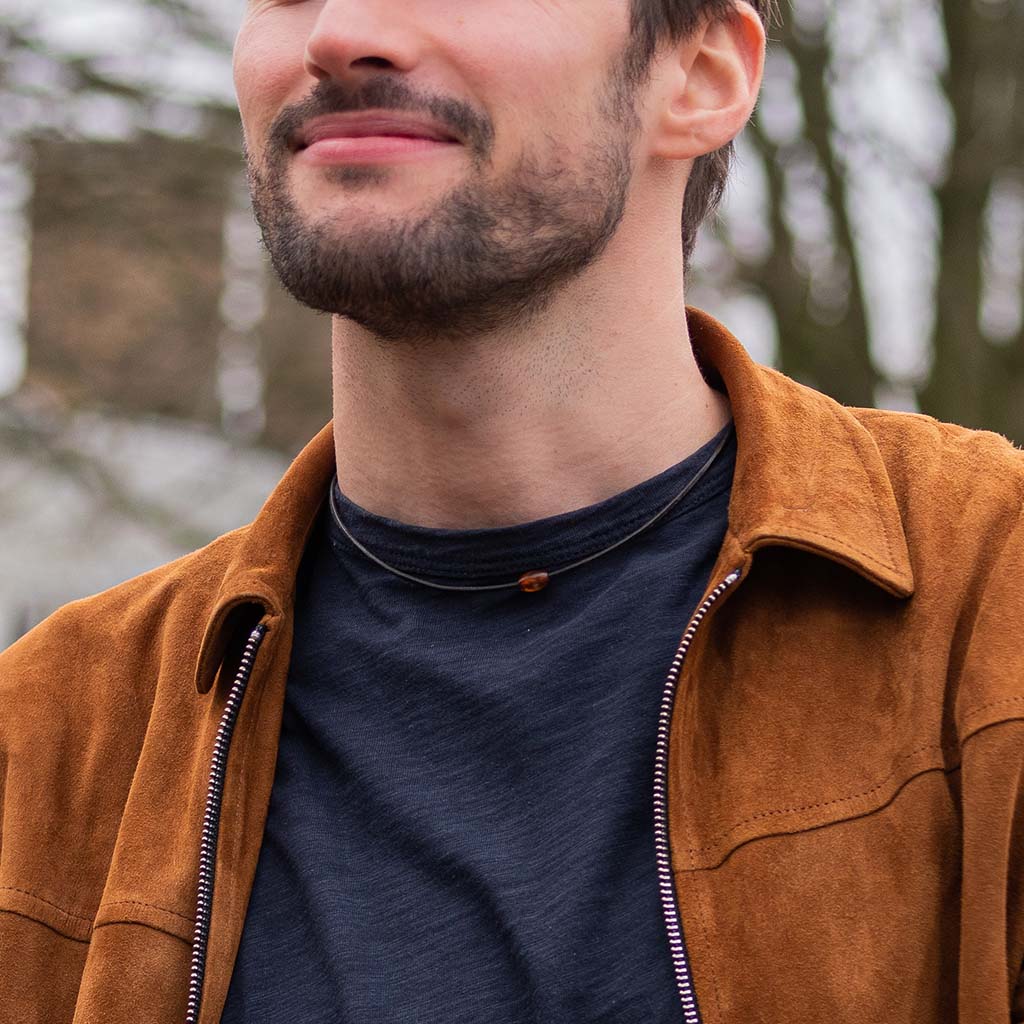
[86, 920]
[49, 903]
[972, 712]
[801, 830]
[150, 906]
[44, 924]
[143, 924]
[985, 727]
[74, 938]
[716, 839]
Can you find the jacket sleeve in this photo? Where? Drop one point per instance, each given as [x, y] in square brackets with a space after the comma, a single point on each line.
[990, 723]
[992, 893]
[44, 939]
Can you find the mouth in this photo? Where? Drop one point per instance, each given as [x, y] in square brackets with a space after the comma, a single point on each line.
[338, 128]
[371, 149]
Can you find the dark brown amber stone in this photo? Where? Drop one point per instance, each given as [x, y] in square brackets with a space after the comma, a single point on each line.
[531, 582]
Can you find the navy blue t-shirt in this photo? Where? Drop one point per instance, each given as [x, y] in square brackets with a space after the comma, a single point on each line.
[461, 824]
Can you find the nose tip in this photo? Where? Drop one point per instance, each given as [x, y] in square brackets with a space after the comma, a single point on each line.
[355, 42]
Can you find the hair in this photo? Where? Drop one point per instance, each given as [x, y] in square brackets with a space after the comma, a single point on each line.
[658, 23]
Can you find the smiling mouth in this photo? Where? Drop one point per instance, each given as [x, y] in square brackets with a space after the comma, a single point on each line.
[375, 124]
[349, 149]
[382, 134]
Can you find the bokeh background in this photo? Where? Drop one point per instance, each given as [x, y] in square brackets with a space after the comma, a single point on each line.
[155, 380]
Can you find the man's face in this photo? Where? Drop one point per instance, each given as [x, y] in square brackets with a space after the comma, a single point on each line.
[459, 238]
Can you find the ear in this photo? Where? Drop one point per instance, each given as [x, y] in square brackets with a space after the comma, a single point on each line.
[708, 86]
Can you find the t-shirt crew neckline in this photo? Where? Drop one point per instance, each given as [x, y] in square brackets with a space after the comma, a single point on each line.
[481, 555]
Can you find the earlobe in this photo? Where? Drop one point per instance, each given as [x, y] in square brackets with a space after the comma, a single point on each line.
[714, 86]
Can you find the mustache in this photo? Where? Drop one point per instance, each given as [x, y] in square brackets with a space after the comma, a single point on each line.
[381, 93]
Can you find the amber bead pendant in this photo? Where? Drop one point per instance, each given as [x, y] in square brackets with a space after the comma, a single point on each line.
[531, 582]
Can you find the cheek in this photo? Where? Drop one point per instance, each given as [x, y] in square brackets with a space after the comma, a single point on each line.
[269, 73]
[546, 90]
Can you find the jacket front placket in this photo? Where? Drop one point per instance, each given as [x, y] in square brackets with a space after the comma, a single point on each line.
[238, 772]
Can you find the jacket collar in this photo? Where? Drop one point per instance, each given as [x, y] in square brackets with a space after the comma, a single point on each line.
[808, 472]
[808, 475]
[259, 582]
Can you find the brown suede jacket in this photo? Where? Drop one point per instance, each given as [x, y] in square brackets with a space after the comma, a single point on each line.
[844, 743]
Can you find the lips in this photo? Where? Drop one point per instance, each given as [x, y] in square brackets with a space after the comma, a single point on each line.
[357, 126]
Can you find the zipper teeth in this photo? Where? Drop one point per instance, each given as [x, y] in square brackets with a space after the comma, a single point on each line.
[673, 924]
[211, 824]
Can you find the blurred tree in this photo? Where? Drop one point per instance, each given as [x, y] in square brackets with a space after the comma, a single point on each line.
[975, 380]
[832, 122]
[812, 274]
[145, 266]
[875, 227]
[131, 275]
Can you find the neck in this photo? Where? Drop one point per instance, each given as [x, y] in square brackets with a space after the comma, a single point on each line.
[599, 394]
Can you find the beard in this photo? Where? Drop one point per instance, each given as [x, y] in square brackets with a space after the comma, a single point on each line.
[488, 255]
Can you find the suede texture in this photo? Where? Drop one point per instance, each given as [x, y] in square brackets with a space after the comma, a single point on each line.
[846, 760]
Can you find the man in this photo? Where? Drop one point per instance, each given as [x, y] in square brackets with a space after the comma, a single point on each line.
[582, 670]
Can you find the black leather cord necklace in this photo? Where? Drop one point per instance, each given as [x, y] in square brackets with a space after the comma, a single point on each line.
[531, 582]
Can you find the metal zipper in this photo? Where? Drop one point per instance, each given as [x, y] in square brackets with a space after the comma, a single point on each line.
[673, 924]
[211, 823]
